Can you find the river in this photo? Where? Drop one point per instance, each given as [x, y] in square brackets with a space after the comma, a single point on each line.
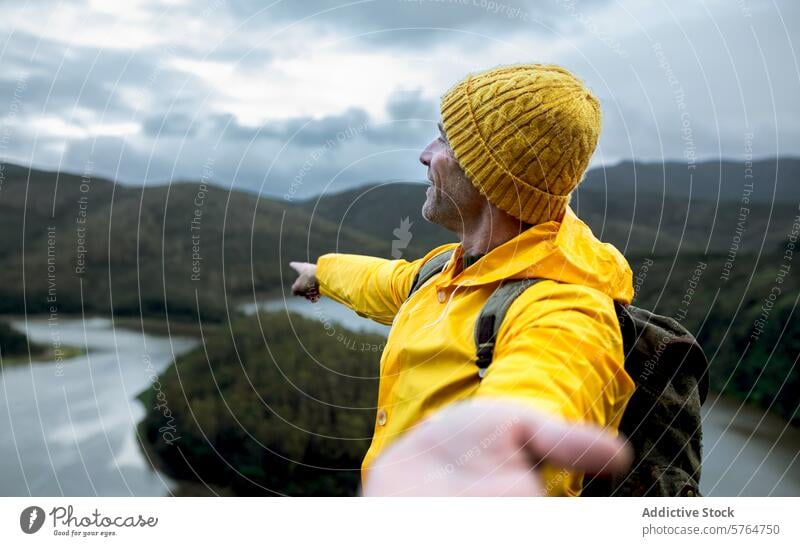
[69, 428]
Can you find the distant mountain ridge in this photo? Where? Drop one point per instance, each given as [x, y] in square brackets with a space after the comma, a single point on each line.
[774, 179]
[185, 249]
[166, 248]
[644, 222]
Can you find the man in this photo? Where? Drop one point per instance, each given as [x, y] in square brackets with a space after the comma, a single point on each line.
[514, 144]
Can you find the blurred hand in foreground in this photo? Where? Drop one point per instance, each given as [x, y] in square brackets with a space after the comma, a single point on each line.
[490, 448]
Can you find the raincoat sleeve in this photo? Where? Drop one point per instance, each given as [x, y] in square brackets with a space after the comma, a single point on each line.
[560, 350]
[374, 288]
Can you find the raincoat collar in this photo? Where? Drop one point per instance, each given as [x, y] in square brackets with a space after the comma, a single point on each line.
[565, 251]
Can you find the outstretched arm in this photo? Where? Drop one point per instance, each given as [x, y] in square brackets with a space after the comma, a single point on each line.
[372, 287]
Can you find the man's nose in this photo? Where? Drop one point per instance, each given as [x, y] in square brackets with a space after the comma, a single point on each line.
[425, 156]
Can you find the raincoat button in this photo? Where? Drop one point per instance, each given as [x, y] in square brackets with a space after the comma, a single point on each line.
[440, 295]
[382, 417]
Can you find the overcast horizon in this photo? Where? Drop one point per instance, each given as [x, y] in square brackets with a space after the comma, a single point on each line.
[321, 96]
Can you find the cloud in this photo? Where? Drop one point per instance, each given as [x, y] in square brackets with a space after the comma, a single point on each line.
[415, 24]
[173, 124]
[404, 104]
[335, 93]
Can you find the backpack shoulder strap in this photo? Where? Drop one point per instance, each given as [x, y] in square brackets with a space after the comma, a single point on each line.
[491, 317]
[430, 268]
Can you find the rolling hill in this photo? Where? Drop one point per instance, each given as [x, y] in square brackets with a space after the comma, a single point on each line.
[86, 244]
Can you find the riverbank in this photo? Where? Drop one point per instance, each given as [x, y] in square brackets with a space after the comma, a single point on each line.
[178, 488]
[16, 349]
[44, 354]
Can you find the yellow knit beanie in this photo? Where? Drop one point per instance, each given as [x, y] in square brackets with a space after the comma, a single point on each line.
[524, 135]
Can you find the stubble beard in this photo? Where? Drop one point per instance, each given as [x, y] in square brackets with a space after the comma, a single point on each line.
[440, 209]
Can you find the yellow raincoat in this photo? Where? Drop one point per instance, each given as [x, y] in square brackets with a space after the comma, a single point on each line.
[559, 349]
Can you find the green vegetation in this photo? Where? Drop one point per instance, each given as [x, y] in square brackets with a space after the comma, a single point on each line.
[279, 406]
[14, 348]
[12, 342]
[750, 360]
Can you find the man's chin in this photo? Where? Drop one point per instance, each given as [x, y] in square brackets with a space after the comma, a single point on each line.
[426, 213]
[433, 210]
[429, 209]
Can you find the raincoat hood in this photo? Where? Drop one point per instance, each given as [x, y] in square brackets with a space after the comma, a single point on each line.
[565, 251]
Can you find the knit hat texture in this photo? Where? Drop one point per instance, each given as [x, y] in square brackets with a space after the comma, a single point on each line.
[524, 135]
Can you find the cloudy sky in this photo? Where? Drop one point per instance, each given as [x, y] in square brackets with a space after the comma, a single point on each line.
[292, 98]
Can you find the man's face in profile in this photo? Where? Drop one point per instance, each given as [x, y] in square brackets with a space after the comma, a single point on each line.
[450, 199]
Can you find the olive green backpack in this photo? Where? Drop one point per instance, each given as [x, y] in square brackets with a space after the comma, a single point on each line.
[662, 419]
